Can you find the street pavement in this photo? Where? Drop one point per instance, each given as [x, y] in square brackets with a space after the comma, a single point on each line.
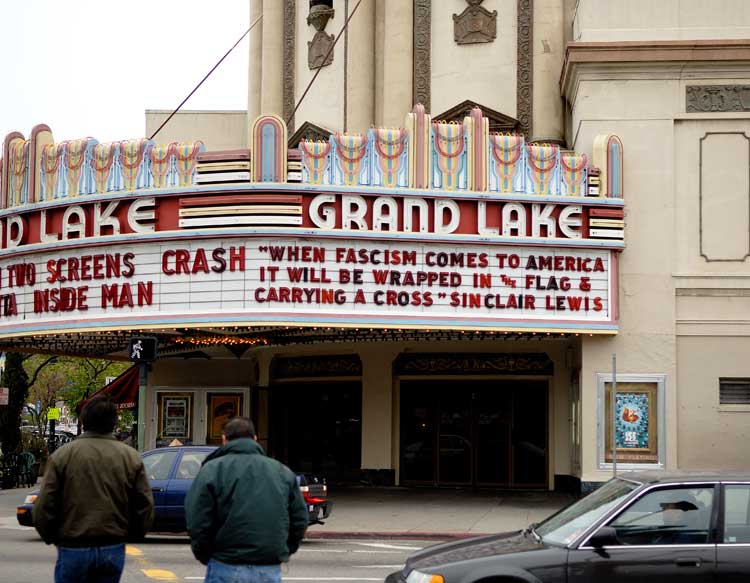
[370, 534]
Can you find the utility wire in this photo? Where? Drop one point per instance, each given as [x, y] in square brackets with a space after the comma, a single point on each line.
[171, 115]
[328, 54]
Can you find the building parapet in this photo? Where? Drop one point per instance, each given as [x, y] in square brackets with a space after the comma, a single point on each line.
[425, 154]
[39, 170]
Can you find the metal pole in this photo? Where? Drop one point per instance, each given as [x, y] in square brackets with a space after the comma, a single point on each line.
[142, 384]
[614, 414]
[51, 442]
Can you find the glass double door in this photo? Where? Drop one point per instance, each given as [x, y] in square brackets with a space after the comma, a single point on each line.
[478, 433]
[317, 428]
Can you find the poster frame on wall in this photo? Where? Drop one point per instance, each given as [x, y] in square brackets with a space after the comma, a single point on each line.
[175, 401]
[215, 427]
[648, 392]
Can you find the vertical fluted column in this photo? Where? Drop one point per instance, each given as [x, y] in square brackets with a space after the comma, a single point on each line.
[360, 66]
[272, 58]
[548, 56]
[394, 62]
[255, 62]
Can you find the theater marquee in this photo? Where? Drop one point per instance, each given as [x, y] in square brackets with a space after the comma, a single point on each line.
[433, 226]
[294, 281]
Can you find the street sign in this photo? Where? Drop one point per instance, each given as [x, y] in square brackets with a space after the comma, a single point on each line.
[142, 348]
[4, 395]
[53, 413]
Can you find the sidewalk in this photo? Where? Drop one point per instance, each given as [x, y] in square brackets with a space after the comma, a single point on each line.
[409, 513]
[432, 513]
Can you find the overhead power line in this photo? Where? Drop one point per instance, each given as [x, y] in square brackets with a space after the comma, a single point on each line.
[328, 54]
[171, 115]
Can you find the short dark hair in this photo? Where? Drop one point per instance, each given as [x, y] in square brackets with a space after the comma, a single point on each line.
[238, 427]
[99, 415]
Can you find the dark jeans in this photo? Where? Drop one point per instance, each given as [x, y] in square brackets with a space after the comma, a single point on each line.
[218, 572]
[90, 564]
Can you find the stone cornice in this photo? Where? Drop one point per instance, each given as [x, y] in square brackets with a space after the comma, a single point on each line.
[664, 53]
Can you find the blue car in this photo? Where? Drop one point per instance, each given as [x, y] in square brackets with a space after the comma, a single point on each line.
[171, 471]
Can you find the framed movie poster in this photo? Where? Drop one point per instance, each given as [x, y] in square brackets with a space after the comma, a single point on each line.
[221, 408]
[175, 419]
[638, 420]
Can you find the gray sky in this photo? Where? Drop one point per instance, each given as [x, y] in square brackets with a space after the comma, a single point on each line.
[91, 68]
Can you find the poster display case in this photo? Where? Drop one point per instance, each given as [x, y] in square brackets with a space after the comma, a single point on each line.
[175, 419]
[221, 408]
[638, 421]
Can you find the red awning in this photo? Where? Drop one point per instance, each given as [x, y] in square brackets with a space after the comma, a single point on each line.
[123, 390]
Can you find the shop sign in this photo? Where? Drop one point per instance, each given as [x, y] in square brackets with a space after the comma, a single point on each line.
[298, 281]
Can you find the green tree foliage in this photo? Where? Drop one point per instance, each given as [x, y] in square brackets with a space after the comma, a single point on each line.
[49, 377]
[87, 376]
[46, 380]
[15, 378]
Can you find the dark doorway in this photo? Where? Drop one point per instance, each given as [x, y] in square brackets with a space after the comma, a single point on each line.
[316, 427]
[478, 433]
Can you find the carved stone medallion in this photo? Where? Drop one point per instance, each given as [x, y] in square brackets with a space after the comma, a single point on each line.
[319, 17]
[318, 48]
[499, 122]
[706, 98]
[474, 25]
[309, 131]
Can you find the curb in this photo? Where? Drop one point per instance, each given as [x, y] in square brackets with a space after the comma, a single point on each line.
[408, 535]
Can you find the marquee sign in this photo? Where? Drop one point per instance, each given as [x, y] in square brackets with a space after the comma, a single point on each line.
[577, 223]
[294, 280]
[433, 225]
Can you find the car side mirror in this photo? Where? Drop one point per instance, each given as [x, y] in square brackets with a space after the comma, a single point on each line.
[606, 536]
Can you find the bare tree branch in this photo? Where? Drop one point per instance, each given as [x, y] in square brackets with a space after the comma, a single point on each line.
[39, 369]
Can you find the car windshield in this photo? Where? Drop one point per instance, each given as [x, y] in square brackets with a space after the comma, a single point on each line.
[565, 526]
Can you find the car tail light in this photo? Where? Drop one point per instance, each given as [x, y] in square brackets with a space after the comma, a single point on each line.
[304, 488]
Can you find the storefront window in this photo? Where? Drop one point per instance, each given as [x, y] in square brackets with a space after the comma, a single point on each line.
[638, 421]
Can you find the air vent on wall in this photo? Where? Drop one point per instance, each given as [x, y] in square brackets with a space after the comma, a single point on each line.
[734, 391]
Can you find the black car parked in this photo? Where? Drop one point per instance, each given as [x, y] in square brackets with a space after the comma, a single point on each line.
[637, 528]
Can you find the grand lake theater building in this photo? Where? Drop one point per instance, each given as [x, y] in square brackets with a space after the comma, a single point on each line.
[417, 269]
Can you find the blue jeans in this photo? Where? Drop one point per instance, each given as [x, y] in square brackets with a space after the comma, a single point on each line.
[90, 564]
[225, 573]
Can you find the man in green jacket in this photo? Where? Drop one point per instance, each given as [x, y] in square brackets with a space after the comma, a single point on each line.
[95, 496]
[245, 513]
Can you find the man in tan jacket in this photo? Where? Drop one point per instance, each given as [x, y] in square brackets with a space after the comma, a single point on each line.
[94, 497]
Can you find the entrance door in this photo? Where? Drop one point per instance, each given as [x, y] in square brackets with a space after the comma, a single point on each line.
[494, 426]
[484, 433]
[317, 428]
[455, 440]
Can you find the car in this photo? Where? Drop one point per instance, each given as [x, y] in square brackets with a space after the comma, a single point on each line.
[637, 527]
[171, 471]
[62, 436]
